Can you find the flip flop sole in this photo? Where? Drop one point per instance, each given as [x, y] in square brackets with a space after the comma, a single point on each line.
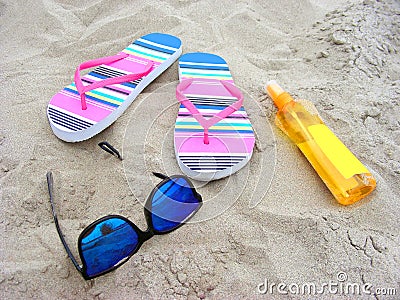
[231, 140]
[105, 105]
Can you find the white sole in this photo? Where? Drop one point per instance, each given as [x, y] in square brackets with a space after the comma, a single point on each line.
[209, 176]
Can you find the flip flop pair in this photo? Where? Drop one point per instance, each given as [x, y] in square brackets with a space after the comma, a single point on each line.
[213, 136]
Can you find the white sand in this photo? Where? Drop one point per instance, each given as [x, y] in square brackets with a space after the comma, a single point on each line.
[342, 55]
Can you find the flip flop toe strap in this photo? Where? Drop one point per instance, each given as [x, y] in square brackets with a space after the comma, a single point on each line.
[82, 89]
[207, 123]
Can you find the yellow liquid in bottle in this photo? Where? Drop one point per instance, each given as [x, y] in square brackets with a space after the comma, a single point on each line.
[344, 175]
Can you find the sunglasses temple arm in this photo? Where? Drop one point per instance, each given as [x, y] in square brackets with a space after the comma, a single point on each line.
[159, 175]
[110, 149]
[49, 176]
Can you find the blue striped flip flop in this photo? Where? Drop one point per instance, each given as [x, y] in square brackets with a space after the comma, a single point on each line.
[94, 101]
[213, 134]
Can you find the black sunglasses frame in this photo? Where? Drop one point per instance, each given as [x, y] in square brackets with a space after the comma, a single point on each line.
[142, 235]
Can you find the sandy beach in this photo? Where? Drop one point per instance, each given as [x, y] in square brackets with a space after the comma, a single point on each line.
[274, 222]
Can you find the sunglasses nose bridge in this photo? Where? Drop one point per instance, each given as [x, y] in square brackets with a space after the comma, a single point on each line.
[148, 234]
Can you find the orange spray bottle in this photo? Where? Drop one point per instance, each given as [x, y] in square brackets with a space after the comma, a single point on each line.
[344, 175]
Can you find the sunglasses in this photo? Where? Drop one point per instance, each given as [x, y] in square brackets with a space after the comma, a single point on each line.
[109, 242]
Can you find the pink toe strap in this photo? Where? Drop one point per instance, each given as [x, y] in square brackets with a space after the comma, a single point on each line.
[82, 89]
[207, 123]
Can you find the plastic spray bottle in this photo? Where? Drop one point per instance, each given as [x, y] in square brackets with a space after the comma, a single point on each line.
[344, 175]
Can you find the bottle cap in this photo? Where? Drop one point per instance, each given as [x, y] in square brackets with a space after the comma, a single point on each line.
[277, 94]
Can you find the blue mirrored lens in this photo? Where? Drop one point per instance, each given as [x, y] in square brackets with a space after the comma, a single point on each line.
[172, 204]
[107, 244]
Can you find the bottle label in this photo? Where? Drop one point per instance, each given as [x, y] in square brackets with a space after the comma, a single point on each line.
[346, 163]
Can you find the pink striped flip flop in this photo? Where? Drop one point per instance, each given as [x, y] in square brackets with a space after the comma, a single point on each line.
[94, 101]
[213, 135]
